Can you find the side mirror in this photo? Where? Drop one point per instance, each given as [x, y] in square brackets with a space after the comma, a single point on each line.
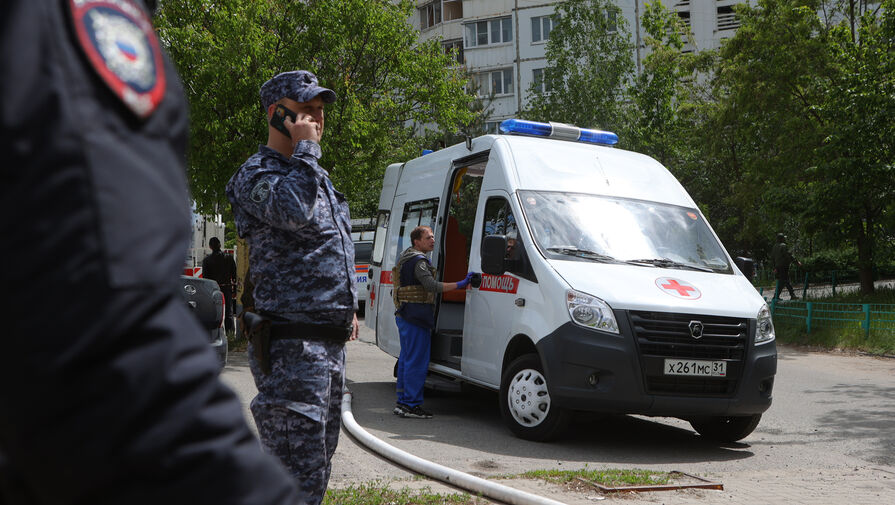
[746, 265]
[494, 249]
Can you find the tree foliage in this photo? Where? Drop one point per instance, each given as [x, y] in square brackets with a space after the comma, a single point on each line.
[787, 127]
[814, 81]
[664, 98]
[588, 64]
[364, 50]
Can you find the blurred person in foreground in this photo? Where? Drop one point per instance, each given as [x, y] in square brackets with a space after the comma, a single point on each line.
[110, 391]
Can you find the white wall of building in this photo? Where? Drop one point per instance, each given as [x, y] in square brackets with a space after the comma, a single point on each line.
[711, 21]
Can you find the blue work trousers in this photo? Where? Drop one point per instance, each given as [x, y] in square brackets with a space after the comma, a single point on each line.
[413, 361]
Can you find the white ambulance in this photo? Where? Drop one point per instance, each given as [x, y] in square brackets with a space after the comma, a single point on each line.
[603, 288]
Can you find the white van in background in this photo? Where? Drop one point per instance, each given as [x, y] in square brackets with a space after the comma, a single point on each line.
[362, 231]
[603, 288]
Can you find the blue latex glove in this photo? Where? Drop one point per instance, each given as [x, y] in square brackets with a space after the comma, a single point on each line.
[465, 282]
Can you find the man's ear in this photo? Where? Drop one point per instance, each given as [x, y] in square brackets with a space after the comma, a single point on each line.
[270, 108]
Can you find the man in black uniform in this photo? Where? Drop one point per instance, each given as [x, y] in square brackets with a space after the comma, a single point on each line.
[108, 388]
[221, 268]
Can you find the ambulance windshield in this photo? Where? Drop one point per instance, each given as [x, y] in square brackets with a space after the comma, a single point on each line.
[605, 229]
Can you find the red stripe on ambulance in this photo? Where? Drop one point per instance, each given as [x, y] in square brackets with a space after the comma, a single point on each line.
[385, 277]
[192, 271]
[499, 284]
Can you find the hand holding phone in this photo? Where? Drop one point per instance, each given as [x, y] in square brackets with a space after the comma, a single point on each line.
[279, 116]
[304, 127]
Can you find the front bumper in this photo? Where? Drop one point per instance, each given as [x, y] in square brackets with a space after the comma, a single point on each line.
[595, 371]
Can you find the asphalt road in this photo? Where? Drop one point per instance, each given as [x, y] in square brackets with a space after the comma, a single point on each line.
[829, 433]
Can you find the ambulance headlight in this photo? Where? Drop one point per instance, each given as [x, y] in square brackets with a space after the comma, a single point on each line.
[764, 329]
[590, 312]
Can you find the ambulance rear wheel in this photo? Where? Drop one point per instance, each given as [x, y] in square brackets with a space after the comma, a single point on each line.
[725, 428]
[525, 402]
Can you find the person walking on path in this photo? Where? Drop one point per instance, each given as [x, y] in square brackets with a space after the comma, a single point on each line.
[301, 261]
[415, 317]
[221, 268]
[781, 257]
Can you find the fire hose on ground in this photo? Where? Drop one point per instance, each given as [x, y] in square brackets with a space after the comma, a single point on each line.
[470, 483]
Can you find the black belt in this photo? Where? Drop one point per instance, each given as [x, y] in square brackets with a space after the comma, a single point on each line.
[310, 331]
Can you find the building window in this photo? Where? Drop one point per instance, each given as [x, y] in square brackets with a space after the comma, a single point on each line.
[537, 78]
[495, 31]
[430, 14]
[540, 28]
[727, 19]
[685, 18]
[492, 126]
[496, 82]
[455, 49]
[502, 82]
[611, 21]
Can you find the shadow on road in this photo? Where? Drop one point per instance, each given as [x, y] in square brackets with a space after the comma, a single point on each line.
[871, 422]
[472, 420]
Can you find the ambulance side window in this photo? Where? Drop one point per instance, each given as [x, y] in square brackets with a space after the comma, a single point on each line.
[420, 213]
[379, 238]
[499, 220]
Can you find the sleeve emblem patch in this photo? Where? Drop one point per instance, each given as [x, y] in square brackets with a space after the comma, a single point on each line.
[260, 191]
[120, 43]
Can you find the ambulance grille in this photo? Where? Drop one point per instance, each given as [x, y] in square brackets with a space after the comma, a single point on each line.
[661, 336]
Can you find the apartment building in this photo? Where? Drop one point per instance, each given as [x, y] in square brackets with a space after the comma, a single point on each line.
[502, 42]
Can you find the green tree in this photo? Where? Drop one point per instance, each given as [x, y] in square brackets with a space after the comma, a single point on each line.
[806, 99]
[664, 98]
[363, 49]
[480, 111]
[588, 65]
[853, 183]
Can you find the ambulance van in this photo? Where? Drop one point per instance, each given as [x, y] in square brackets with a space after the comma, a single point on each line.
[362, 236]
[603, 287]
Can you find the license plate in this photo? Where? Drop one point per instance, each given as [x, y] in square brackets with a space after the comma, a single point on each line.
[697, 368]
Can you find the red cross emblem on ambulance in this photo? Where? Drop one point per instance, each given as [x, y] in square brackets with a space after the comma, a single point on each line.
[678, 288]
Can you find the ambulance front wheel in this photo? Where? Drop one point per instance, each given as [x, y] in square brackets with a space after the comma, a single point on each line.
[525, 402]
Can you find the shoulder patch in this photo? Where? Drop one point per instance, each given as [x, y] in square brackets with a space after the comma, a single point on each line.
[120, 43]
[260, 191]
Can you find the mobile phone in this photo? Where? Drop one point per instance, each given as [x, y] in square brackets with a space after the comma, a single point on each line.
[279, 117]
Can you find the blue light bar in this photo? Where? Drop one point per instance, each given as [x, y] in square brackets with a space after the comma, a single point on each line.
[558, 130]
[598, 137]
[526, 127]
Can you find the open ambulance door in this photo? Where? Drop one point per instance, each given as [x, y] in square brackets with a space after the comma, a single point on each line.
[454, 241]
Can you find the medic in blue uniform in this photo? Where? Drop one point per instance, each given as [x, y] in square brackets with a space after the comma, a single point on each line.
[414, 296]
[110, 392]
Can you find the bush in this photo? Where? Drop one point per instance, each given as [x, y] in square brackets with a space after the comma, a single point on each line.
[831, 259]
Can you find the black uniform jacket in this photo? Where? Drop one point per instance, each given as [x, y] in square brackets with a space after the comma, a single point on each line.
[108, 388]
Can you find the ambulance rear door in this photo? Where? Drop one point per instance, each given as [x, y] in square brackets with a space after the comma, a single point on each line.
[380, 238]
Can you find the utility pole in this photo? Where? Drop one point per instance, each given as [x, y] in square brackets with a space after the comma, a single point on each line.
[518, 59]
[637, 31]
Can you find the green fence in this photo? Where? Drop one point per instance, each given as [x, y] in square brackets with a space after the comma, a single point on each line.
[867, 316]
[819, 283]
